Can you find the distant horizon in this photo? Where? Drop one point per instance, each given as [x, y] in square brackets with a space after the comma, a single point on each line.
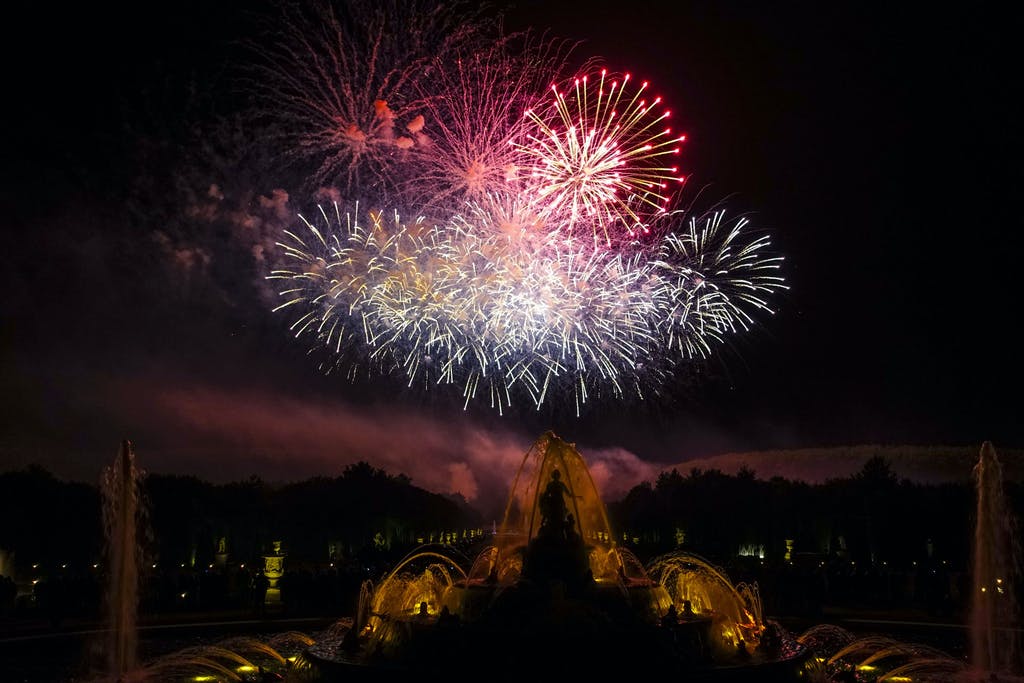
[925, 465]
[921, 464]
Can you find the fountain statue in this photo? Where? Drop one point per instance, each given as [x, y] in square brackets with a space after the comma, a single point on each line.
[554, 595]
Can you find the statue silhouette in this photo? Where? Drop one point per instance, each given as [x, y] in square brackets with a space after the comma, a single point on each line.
[552, 505]
[569, 530]
[557, 555]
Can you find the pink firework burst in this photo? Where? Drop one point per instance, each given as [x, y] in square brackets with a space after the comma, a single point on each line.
[474, 105]
[599, 157]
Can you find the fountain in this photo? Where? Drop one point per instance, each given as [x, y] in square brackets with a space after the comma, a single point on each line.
[882, 658]
[551, 594]
[702, 588]
[121, 511]
[239, 659]
[993, 626]
[994, 622]
[554, 595]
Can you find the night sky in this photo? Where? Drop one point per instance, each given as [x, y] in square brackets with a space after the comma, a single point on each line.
[879, 145]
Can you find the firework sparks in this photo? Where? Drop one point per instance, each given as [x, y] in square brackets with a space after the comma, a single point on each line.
[598, 156]
[553, 267]
[714, 279]
[336, 85]
[474, 109]
[485, 305]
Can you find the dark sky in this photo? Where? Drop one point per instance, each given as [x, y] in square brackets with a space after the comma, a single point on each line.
[878, 144]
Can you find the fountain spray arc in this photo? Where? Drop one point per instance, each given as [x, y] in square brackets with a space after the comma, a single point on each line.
[121, 518]
[994, 616]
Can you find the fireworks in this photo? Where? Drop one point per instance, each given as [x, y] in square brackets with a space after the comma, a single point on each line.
[484, 304]
[338, 87]
[470, 131]
[598, 156]
[714, 279]
[552, 267]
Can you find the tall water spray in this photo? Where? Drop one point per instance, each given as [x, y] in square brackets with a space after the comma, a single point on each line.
[121, 511]
[996, 568]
